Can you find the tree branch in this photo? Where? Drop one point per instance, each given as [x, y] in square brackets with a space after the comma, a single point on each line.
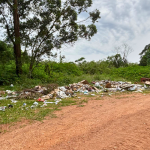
[8, 30]
[9, 3]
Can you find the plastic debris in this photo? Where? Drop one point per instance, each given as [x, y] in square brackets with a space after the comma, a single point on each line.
[3, 108]
[35, 103]
[10, 106]
[13, 101]
[49, 102]
[44, 105]
[40, 100]
[24, 104]
[9, 91]
[57, 101]
[2, 98]
[86, 92]
[62, 88]
[11, 85]
[132, 88]
[97, 84]
[61, 94]
[53, 91]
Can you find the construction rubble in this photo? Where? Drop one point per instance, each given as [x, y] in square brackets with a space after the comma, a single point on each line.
[52, 91]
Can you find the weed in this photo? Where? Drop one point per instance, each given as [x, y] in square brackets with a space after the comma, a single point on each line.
[99, 98]
[53, 116]
[83, 101]
[80, 105]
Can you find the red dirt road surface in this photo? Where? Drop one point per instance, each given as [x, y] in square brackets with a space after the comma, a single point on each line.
[112, 123]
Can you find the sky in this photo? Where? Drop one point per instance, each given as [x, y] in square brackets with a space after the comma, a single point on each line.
[121, 22]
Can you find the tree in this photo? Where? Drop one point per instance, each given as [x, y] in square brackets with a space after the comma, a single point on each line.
[124, 50]
[80, 60]
[146, 48]
[11, 24]
[115, 60]
[145, 56]
[47, 24]
[6, 53]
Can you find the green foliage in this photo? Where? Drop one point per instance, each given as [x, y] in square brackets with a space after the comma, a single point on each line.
[64, 73]
[52, 24]
[116, 60]
[6, 53]
[145, 58]
[132, 73]
[7, 74]
[93, 67]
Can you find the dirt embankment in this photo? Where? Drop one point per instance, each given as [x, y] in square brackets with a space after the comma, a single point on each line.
[113, 123]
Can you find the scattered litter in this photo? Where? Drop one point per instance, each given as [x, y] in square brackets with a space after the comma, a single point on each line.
[40, 100]
[62, 88]
[145, 79]
[82, 87]
[13, 101]
[145, 86]
[147, 82]
[97, 84]
[132, 88]
[49, 102]
[10, 106]
[61, 94]
[11, 85]
[10, 92]
[24, 104]
[44, 105]
[57, 101]
[3, 108]
[35, 103]
[86, 92]
[52, 91]
[2, 98]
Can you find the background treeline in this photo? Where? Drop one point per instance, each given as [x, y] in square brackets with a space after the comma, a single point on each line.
[48, 71]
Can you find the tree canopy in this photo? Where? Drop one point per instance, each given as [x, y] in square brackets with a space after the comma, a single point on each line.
[46, 24]
[145, 56]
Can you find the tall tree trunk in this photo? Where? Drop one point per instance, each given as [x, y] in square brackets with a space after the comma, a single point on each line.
[17, 47]
[32, 61]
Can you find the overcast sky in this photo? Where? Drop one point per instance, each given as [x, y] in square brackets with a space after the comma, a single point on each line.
[121, 21]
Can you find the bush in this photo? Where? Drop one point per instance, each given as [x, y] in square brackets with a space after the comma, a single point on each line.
[132, 73]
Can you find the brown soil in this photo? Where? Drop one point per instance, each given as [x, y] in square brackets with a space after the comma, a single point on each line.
[114, 123]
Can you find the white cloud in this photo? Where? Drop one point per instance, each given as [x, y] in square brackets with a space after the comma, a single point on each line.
[121, 22]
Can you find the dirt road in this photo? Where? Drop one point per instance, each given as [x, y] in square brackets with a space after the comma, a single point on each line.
[113, 123]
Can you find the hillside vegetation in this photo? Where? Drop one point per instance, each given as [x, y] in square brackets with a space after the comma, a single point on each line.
[63, 73]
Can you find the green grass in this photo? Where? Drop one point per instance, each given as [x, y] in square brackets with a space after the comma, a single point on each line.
[38, 113]
[19, 112]
[80, 105]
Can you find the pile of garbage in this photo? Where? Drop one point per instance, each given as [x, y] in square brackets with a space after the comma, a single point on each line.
[52, 91]
[114, 86]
